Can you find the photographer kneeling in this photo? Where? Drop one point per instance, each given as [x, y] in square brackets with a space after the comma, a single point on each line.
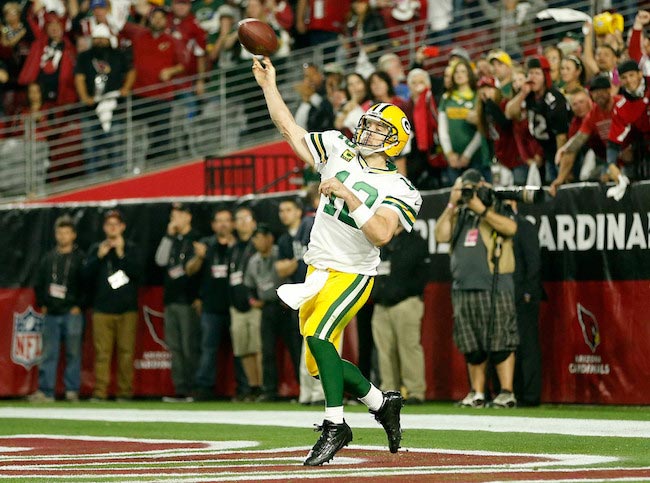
[482, 264]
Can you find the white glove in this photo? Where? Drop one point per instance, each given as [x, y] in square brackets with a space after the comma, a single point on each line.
[617, 192]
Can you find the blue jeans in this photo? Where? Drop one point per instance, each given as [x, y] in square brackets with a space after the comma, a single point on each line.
[213, 328]
[66, 328]
[102, 150]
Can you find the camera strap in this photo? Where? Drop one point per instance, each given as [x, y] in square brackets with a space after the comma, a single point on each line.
[496, 256]
[463, 213]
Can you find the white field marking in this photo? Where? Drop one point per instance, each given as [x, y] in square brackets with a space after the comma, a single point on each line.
[300, 419]
[12, 449]
[208, 447]
[551, 459]
[324, 472]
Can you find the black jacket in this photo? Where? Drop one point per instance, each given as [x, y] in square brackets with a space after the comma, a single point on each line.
[527, 276]
[408, 255]
[61, 269]
[105, 298]
[239, 293]
[214, 277]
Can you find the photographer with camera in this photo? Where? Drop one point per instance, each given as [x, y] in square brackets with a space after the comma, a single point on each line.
[482, 266]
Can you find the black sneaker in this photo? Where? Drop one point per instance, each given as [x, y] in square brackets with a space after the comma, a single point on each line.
[388, 417]
[333, 438]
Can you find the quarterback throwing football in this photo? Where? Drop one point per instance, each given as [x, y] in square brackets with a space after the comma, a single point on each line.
[363, 200]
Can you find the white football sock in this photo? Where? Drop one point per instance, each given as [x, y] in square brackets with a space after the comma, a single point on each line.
[374, 399]
[334, 414]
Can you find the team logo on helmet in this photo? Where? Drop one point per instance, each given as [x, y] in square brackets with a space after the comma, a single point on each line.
[406, 125]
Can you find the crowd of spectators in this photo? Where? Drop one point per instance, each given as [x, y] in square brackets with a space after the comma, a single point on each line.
[97, 52]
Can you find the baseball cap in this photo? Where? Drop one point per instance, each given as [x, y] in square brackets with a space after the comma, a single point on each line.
[627, 66]
[114, 214]
[460, 52]
[98, 3]
[600, 82]
[177, 205]
[501, 56]
[486, 81]
[262, 229]
[538, 62]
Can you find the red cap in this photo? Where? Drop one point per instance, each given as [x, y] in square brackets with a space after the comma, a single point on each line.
[486, 81]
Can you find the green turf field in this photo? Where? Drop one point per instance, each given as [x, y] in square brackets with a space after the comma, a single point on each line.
[632, 450]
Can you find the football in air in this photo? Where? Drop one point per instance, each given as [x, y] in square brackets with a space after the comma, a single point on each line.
[257, 37]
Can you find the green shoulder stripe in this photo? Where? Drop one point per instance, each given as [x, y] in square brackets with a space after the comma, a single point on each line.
[317, 141]
[406, 210]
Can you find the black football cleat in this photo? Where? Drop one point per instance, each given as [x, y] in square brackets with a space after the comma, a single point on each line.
[333, 438]
[388, 417]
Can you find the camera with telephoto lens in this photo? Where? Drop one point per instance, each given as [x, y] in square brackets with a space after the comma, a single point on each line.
[524, 194]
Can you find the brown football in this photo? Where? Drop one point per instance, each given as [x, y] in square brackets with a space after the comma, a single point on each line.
[257, 37]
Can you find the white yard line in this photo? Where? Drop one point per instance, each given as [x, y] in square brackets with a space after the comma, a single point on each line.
[300, 419]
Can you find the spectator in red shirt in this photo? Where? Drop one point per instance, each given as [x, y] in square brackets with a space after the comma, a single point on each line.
[322, 21]
[402, 17]
[50, 62]
[184, 27]
[527, 146]
[425, 161]
[630, 124]
[495, 127]
[592, 132]
[157, 58]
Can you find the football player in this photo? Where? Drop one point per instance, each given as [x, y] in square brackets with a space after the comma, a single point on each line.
[363, 200]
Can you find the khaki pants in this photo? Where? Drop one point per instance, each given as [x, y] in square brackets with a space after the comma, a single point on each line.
[396, 331]
[112, 331]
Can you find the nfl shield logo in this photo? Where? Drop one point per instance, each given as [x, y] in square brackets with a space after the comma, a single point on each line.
[27, 341]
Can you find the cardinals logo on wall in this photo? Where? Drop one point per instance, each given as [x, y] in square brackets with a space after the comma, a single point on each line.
[27, 339]
[589, 326]
[153, 318]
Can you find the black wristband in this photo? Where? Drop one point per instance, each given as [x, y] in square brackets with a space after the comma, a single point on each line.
[484, 212]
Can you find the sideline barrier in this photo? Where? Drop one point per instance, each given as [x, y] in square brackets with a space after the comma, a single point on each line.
[594, 327]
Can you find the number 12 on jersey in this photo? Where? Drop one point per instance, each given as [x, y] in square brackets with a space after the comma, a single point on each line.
[344, 212]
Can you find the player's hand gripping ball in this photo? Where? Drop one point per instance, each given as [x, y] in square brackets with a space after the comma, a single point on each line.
[257, 37]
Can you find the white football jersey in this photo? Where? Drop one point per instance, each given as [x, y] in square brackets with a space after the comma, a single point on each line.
[336, 241]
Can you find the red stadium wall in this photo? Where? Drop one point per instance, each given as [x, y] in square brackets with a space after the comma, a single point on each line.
[597, 364]
[185, 180]
[594, 324]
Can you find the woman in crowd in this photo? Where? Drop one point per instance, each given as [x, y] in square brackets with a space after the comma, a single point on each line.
[573, 75]
[425, 162]
[460, 140]
[554, 56]
[382, 90]
[348, 116]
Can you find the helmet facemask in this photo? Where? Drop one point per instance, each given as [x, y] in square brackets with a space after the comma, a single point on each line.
[363, 132]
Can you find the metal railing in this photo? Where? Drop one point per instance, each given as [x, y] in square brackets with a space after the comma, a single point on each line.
[67, 147]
